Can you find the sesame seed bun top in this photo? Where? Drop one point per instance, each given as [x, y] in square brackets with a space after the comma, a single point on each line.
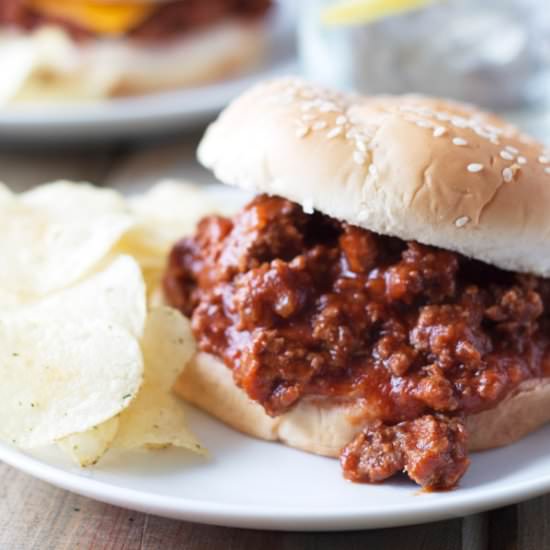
[424, 169]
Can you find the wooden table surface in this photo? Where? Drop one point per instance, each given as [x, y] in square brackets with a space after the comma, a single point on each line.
[34, 515]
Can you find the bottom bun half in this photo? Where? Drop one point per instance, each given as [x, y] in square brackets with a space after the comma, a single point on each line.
[322, 428]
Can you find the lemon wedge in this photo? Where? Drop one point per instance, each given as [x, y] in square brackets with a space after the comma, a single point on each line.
[350, 12]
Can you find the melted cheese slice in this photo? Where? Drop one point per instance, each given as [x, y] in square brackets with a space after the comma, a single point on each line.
[96, 16]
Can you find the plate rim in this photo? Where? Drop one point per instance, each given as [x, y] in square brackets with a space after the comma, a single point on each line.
[275, 517]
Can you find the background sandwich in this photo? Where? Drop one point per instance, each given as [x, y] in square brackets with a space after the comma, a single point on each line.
[98, 48]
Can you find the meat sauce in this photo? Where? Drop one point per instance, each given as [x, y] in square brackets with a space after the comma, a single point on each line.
[301, 305]
[169, 20]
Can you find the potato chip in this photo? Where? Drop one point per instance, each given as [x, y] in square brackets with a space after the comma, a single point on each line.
[153, 281]
[172, 200]
[155, 421]
[8, 299]
[156, 418]
[115, 294]
[74, 338]
[168, 345]
[47, 65]
[52, 236]
[17, 60]
[156, 297]
[167, 212]
[6, 196]
[60, 377]
[87, 448]
[64, 198]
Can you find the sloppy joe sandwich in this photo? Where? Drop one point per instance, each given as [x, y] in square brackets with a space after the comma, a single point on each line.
[385, 298]
[97, 48]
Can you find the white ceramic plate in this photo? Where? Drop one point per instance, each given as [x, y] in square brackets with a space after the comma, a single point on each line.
[255, 484]
[153, 114]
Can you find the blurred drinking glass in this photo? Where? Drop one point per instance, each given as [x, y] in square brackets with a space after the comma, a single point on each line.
[494, 53]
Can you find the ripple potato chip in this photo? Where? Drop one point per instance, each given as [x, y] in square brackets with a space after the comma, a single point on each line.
[170, 210]
[156, 418]
[116, 294]
[60, 377]
[52, 236]
[163, 215]
[166, 213]
[168, 345]
[88, 447]
[82, 362]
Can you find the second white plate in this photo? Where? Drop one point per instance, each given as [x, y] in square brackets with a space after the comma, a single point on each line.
[154, 114]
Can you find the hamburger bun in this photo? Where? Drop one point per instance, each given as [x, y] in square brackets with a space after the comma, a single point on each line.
[433, 171]
[324, 427]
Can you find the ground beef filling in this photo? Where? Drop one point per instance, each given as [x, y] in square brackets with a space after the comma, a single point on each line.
[302, 305]
[169, 20]
[432, 450]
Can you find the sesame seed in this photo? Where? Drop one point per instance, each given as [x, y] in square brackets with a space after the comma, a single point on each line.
[341, 120]
[425, 111]
[462, 221]
[334, 132]
[494, 140]
[328, 107]
[512, 149]
[302, 131]
[363, 215]
[442, 116]
[544, 160]
[459, 122]
[475, 167]
[319, 125]
[507, 175]
[358, 157]
[459, 141]
[307, 206]
[439, 131]
[361, 146]
[351, 133]
[306, 117]
[547, 170]
[424, 123]
[522, 160]
[506, 155]
[482, 132]
[373, 171]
